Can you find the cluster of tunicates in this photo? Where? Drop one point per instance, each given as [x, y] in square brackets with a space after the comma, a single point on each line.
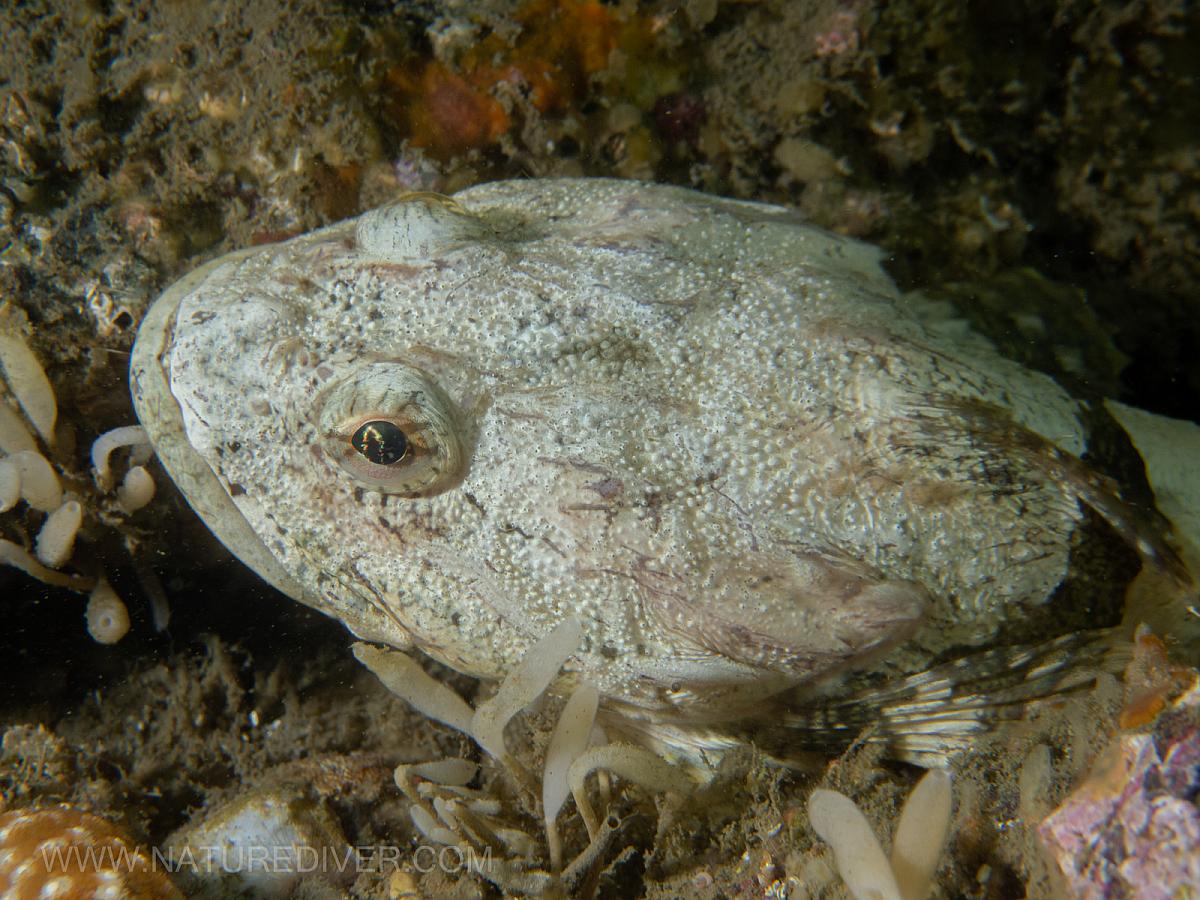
[450, 814]
[916, 846]
[31, 474]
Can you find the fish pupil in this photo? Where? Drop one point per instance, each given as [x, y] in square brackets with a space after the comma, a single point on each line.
[380, 442]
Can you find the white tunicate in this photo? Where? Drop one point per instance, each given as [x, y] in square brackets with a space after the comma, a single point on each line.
[18, 557]
[431, 828]
[404, 677]
[160, 606]
[916, 847]
[569, 740]
[636, 764]
[102, 448]
[136, 490]
[56, 539]
[10, 484]
[40, 487]
[447, 811]
[524, 685]
[921, 834]
[1034, 781]
[28, 382]
[452, 771]
[860, 859]
[14, 435]
[107, 617]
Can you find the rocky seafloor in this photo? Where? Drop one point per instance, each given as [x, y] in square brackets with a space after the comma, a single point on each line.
[1035, 164]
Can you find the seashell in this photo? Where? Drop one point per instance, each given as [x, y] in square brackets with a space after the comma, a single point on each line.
[299, 835]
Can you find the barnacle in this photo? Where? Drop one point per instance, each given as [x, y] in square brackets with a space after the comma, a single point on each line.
[916, 845]
[446, 811]
[32, 473]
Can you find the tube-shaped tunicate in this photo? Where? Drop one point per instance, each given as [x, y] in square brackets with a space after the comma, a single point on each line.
[451, 771]
[860, 859]
[14, 436]
[136, 490]
[921, 834]
[102, 448]
[10, 484]
[404, 677]
[56, 539]
[636, 764]
[524, 684]
[17, 556]
[40, 487]
[569, 740]
[107, 617]
[28, 382]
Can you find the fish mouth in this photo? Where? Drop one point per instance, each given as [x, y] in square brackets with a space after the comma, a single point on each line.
[160, 414]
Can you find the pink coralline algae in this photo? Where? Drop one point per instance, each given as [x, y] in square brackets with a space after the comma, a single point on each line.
[1133, 828]
[840, 37]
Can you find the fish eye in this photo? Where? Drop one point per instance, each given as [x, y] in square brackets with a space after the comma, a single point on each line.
[380, 441]
[390, 427]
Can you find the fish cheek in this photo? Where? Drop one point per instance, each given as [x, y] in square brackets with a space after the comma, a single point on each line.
[800, 614]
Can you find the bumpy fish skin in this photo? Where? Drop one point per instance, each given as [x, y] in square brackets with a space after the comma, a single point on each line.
[714, 433]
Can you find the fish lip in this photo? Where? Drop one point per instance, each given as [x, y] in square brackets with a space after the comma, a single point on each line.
[160, 414]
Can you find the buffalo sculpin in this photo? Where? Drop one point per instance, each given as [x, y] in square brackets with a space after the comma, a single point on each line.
[715, 434]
